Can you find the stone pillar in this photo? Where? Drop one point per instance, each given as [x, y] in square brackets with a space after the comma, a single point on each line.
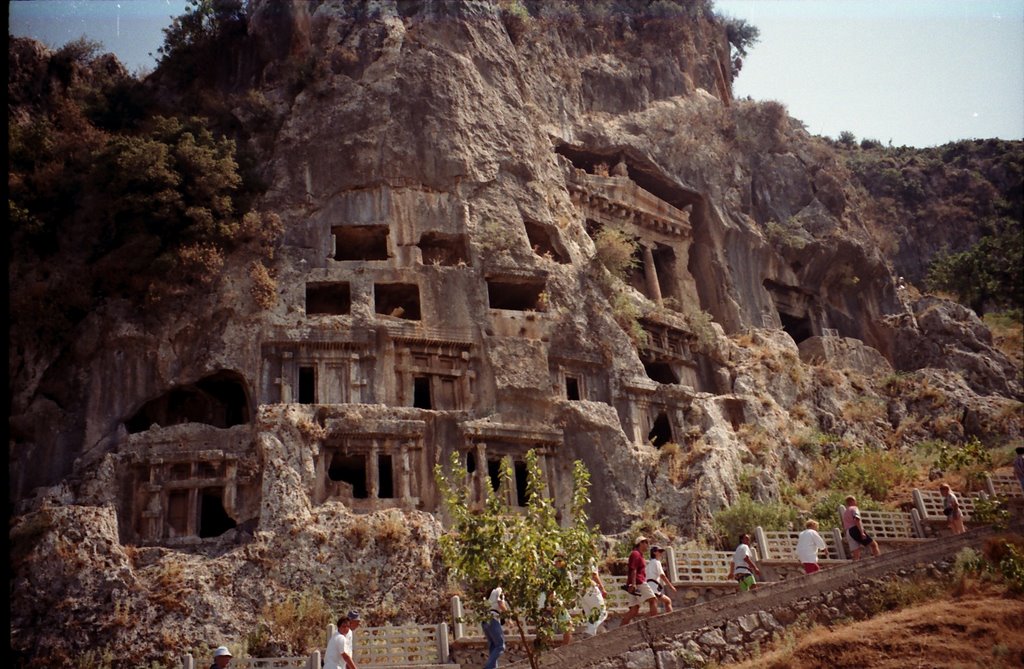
[442, 643]
[230, 485]
[651, 275]
[287, 376]
[673, 568]
[480, 476]
[373, 471]
[404, 487]
[458, 626]
[192, 522]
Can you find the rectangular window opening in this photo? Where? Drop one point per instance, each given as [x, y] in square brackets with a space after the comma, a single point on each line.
[350, 469]
[438, 248]
[385, 477]
[494, 473]
[515, 295]
[519, 468]
[213, 519]
[421, 392]
[401, 300]
[360, 242]
[307, 385]
[572, 389]
[328, 298]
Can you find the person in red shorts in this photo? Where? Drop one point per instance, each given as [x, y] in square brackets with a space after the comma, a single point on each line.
[807, 546]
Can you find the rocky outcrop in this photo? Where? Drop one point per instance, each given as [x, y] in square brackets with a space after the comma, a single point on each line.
[443, 173]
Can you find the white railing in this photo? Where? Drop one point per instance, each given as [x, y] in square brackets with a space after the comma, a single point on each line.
[890, 525]
[374, 648]
[928, 503]
[403, 645]
[1003, 485]
[782, 545]
[701, 566]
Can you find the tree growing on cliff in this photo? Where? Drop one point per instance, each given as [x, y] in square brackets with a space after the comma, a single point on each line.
[493, 544]
[987, 276]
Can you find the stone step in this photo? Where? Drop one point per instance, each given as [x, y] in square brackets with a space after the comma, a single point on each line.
[714, 626]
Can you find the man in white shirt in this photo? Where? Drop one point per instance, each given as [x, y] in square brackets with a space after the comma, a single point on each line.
[339, 652]
[742, 568]
[807, 546]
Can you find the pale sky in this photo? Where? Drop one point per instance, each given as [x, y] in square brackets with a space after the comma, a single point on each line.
[914, 72]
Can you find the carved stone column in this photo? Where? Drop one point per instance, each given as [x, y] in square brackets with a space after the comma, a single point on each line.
[651, 275]
[373, 471]
[404, 487]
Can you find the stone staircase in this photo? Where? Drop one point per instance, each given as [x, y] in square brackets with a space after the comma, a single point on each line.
[731, 627]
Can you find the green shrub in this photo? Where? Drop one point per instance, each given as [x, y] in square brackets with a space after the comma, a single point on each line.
[968, 561]
[991, 512]
[746, 514]
[872, 471]
[971, 458]
[825, 510]
[811, 443]
[1012, 568]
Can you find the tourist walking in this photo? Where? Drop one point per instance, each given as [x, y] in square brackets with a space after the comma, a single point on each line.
[807, 546]
[853, 528]
[636, 583]
[658, 579]
[951, 508]
[340, 653]
[221, 658]
[493, 632]
[742, 568]
[594, 610]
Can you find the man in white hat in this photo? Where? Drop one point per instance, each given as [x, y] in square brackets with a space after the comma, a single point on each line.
[636, 583]
[221, 657]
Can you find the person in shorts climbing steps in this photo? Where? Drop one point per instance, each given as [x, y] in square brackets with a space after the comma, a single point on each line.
[856, 537]
[742, 568]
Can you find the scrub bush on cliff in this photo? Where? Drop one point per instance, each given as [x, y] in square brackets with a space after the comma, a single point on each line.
[166, 194]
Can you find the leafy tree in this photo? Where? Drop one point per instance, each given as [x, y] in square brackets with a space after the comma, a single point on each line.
[492, 544]
[741, 35]
[195, 37]
[989, 274]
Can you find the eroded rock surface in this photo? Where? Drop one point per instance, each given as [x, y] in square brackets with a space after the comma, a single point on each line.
[443, 178]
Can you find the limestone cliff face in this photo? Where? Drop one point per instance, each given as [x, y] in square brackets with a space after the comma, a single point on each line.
[443, 178]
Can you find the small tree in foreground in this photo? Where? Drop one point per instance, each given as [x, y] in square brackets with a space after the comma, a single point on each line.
[497, 545]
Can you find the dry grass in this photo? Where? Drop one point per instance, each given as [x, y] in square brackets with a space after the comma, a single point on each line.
[981, 629]
[1008, 336]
